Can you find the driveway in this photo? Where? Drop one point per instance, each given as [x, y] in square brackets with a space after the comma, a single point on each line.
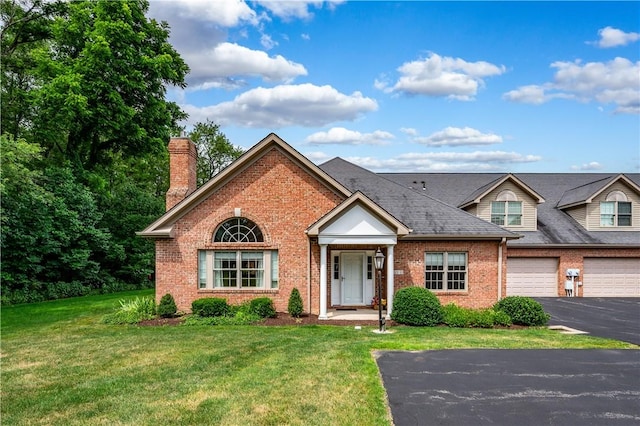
[612, 318]
[513, 387]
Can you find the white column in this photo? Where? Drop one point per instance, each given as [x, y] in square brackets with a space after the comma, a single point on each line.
[323, 282]
[390, 279]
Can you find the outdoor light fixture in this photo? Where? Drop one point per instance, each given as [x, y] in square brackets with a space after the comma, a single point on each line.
[379, 261]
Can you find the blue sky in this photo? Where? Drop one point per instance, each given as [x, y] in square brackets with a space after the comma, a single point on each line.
[419, 86]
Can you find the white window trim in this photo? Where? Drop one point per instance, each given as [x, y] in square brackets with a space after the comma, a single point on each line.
[268, 270]
[616, 215]
[505, 215]
[445, 271]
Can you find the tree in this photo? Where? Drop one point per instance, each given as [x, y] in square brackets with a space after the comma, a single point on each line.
[96, 82]
[51, 243]
[215, 152]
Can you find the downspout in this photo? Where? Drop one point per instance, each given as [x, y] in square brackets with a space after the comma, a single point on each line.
[504, 240]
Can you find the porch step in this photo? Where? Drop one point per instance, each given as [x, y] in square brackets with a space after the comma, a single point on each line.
[355, 315]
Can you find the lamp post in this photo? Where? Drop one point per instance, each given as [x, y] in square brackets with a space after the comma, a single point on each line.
[379, 261]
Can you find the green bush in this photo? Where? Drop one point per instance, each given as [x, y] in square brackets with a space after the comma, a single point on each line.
[295, 304]
[132, 311]
[263, 307]
[167, 307]
[482, 318]
[501, 318]
[455, 316]
[416, 306]
[523, 310]
[210, 307]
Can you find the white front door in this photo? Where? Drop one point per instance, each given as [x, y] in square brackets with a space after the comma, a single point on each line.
[352, 266]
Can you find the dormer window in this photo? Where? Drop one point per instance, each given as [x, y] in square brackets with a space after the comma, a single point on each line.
[506, 210]
[616, 210]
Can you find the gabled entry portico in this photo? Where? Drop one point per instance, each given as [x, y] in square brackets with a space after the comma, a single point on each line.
[361, 226]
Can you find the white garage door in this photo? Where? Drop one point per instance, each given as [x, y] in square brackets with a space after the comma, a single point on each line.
[611, 277]
[536, 277]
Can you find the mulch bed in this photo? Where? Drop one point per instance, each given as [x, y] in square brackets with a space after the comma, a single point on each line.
[281, 319]
[306, 319]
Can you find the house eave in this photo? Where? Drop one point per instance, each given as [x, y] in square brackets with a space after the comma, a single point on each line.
[157, 233]
[458, 237]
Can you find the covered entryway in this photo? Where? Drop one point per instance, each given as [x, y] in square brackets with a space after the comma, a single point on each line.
[533, 277]
[359, 226]
[611, 277]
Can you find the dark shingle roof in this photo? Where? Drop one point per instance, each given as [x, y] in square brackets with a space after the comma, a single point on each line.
[425, 215]
[554, 225]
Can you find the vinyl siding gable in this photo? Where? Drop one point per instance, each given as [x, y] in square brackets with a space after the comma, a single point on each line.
[529, 207]
[593, 209]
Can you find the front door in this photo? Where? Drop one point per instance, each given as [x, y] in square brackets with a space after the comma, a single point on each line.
[352, 265]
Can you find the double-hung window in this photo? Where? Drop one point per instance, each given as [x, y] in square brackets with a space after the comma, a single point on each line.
[243, 268]
[238, 269]
[446, 271]
[616, 210]
[506, 210]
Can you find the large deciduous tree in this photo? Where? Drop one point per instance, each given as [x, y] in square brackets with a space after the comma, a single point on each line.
[215, 152]
[95, 80]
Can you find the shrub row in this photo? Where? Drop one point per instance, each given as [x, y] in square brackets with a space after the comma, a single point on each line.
[456, 316]
[419, 306]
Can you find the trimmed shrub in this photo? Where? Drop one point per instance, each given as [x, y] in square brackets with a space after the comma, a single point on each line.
[167, 307]
[295, 304]
[263, 307]
[482, 318]
[501, 318]
[455, 316]
[210, 307]
[132, 311]
[523, 310]
[416, 306]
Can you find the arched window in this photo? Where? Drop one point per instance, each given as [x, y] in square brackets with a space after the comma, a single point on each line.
[616, 210]
[238, 230]
[506, 210]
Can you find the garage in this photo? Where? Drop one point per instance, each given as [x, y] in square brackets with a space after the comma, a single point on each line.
[606, 277]
[534, 277]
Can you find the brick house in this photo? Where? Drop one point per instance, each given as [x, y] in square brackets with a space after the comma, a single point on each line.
[273, 221]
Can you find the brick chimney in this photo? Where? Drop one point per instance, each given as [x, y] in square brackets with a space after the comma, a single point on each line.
[182, 170]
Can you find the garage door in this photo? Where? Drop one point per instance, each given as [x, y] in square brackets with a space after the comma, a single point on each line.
[536, 277]
[611, 277]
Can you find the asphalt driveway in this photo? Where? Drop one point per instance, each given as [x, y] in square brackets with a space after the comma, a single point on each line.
[513, 387]
[612, 318]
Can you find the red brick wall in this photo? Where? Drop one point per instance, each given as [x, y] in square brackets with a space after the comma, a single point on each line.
[572, 258]
[482, 271]
[276, 194]
[182, 169]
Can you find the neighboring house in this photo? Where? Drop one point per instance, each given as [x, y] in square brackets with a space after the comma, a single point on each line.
[273, 221]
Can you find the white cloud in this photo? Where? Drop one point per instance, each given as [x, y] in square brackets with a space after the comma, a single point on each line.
[410, 131]
[305, 36]
[298, 9]
[286, 105]
[267, 42]
[342, 136]
[594, 165]
[229, 60]
[225, 13]
[613, 37]
[445, 162]
[454, 78]
[615, 82]
[456, 136]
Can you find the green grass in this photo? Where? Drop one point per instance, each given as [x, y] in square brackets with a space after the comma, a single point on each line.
[61, 366]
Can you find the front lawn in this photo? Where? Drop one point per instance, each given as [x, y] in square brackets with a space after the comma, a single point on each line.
[61, 366]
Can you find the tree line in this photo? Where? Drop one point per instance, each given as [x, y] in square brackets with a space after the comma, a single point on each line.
[84, 128]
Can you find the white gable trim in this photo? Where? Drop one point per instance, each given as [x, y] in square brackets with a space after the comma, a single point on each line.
[357, 225]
